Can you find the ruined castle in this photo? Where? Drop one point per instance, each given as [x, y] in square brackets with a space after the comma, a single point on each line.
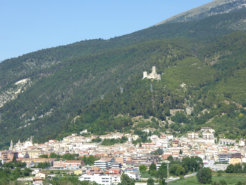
[153, 75]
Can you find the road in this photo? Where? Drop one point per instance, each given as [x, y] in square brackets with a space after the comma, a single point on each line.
[177, 178]
[172, 178]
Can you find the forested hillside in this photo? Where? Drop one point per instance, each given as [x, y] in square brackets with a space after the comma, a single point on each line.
[97, 84]
[214, 90]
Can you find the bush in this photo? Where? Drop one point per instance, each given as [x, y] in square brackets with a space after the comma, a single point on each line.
[96, 140]
[43, 165]
[142, 168]
[150, 181]
[204, 176]
[89, 160]
[126, 180]
[177, 170]
[230, 169]
[219, 173]
[162, 171]
[152, 169]
[239, 183]
[223, 182]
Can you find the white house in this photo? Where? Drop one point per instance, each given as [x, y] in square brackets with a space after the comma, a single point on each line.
[101, 179]
[193, 135]
[40, 175]
[227, 142]
[241, 143]
[103, 163]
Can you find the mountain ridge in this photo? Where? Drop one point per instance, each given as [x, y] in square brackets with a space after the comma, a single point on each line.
[213, 8]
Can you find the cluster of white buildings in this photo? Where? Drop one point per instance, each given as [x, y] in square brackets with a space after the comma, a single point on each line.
[202, 144]
[127, 157]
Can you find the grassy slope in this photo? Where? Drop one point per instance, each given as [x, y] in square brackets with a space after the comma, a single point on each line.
[230, 179]
[190, 71]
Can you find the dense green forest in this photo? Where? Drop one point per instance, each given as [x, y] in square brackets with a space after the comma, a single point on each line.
[219, 89]
[97, 84]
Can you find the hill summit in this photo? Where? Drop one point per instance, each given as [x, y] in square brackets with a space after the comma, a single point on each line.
[213, 8]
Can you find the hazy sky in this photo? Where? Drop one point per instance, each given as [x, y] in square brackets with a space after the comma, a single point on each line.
[30, 25]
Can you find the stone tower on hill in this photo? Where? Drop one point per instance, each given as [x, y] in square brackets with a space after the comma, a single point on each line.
[153, 75]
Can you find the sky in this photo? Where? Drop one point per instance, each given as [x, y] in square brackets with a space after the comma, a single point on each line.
[30, 25]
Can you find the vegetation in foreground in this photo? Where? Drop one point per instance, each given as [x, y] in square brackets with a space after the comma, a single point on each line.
[217, 179]
[9, 172]
[176, 168]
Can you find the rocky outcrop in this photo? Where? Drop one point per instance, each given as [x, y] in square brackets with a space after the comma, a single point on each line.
[12, 92]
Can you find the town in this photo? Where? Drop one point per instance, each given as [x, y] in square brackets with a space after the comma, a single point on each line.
[110, 160]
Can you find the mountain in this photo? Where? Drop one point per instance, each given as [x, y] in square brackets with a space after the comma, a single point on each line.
[97, 84]
[193, 92]
[213, 8]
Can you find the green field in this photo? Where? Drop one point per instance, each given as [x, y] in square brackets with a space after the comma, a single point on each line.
[231, 179]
